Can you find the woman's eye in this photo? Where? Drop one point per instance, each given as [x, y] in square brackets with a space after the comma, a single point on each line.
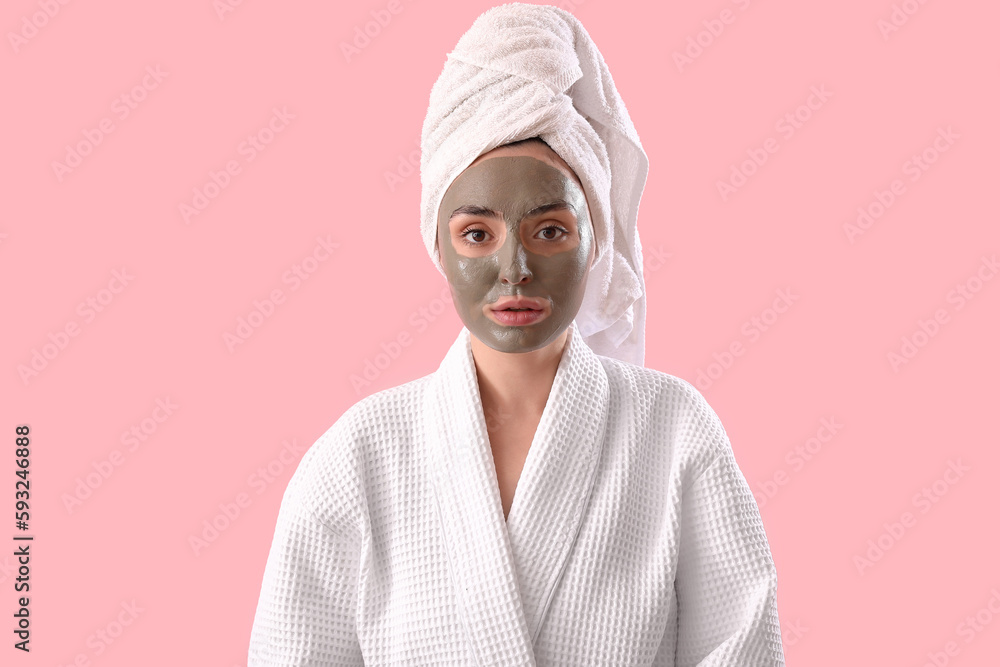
[553, 233]
[474, 236]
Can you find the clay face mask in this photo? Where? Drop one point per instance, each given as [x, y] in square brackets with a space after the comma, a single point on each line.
[509, 227]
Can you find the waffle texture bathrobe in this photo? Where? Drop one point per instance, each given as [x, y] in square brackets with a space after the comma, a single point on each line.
[633, 538]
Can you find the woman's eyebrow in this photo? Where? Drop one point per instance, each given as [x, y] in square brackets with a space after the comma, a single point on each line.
[477, 211]
[557, 205]
[483, 212]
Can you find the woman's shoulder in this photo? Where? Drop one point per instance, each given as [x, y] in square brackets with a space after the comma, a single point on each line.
[375, 417]
[649, 383]
[672, 408]
[334, 466]
[387, 406]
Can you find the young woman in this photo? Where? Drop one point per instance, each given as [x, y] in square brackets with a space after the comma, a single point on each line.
[542, 498]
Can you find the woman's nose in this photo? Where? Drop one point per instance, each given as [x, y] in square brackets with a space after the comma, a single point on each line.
[514, 261]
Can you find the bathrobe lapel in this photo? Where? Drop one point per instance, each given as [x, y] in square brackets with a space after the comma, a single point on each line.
[505, 572]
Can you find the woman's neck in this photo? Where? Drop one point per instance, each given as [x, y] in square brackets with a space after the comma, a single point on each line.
[512, 383]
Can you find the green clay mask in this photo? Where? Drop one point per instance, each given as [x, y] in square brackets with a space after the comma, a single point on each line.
[515, 227]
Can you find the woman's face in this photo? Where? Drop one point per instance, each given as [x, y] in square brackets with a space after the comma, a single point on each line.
[515, 225]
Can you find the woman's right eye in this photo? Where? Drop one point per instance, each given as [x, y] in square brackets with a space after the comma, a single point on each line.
[477, 236]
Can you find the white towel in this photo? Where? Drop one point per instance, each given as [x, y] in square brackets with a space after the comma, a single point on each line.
[532, 70]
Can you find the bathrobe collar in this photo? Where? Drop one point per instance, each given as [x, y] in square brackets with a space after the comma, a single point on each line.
[506, 571]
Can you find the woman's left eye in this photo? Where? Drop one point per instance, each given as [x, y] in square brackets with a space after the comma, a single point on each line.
[553, 233]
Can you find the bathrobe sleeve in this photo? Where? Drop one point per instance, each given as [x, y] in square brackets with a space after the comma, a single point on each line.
[726, 582]
[307, 609]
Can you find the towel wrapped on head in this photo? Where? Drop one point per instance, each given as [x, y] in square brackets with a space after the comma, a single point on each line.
[526, 71]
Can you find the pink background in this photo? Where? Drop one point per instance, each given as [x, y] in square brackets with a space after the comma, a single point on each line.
[713, 264]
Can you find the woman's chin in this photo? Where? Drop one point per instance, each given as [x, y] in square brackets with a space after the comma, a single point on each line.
[516, 340]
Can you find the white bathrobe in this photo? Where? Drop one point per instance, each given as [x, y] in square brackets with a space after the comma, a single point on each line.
[633, 538]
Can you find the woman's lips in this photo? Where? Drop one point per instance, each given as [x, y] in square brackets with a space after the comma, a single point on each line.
[517, 318]
[518, 302]
[518, 310]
